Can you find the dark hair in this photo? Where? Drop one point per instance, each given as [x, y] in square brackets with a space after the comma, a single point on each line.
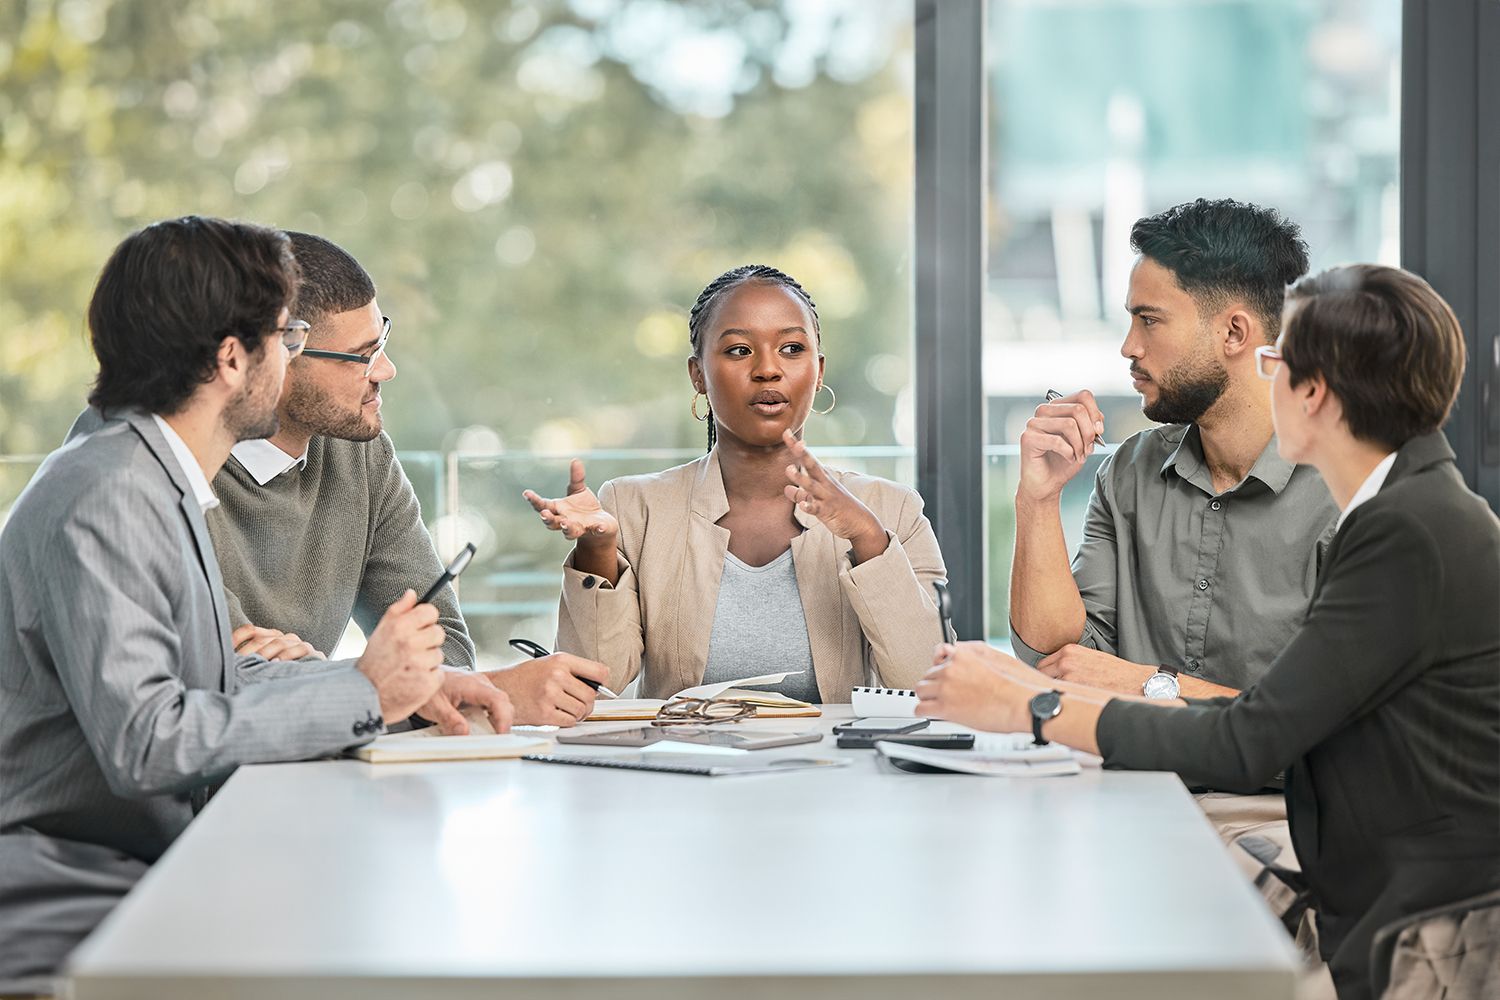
[1388, 346]
[744, 274]
[1226, 249]
[332, 280]
[169, 295]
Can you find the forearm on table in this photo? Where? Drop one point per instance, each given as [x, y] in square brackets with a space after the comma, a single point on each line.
[1077, 725]
[1046, 610]
[1196, 687]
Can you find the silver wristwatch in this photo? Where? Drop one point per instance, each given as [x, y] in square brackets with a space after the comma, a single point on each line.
[1162, 684]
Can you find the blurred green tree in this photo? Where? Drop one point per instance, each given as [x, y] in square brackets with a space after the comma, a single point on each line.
[539, 189]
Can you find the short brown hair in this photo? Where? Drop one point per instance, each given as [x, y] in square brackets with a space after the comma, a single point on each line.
[1388, 346]
[170, 294]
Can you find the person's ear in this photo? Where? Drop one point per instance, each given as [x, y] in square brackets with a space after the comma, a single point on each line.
[1313, 395]
[233, 362]
[695, 373]
[1241, 333]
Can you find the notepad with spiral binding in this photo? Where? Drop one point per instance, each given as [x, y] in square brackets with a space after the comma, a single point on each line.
[702, 764]
[883, 703]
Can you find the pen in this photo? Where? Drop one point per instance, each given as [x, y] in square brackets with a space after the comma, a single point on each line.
[945, 611]
[458, 565]
[536, 650]
[1053, 394]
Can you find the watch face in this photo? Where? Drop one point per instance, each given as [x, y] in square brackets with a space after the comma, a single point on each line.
[1161, 686]
[1046, 705]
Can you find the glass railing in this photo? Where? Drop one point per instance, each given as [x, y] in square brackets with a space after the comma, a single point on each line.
[512, 587]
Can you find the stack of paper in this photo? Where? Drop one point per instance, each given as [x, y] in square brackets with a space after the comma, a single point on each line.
[768, 704]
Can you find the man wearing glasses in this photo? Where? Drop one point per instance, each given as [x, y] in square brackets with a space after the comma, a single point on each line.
[319, 523]
[122, 702]
[1200, 547]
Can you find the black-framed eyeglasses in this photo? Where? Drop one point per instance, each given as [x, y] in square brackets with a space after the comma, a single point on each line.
[293, 336]
[368, 360]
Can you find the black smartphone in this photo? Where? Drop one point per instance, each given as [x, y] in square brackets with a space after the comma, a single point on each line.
[937, 741]
[881, 727]
[458, 565]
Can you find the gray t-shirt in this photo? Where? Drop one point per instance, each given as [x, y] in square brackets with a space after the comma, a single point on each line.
[759, 628]
[1171, 572]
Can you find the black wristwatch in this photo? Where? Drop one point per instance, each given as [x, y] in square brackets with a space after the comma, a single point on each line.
[1044, 706]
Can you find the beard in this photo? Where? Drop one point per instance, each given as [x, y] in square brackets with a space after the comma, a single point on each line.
[1186, 392]
[252, 414]
[316, 413]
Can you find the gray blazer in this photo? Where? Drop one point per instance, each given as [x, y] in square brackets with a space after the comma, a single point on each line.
[121, 700]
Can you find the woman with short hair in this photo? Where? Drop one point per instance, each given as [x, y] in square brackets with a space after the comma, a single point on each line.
[1384, 709]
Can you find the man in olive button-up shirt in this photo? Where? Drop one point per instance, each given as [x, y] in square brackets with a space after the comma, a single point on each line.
[1200, 550]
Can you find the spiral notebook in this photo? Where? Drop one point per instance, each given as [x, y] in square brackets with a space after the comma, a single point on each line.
[708, 765]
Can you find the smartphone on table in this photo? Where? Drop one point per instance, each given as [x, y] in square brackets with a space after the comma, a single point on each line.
[881, 727]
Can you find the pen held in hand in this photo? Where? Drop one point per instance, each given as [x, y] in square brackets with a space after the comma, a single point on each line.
[536, 651]
[458, 565]
[1053, 396]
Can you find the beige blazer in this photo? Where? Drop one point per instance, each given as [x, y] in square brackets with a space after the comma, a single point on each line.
[875, 623]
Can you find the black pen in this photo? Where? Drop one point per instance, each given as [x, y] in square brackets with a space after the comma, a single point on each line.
[458, 565]
[945, 611]
[536, 650]
[1053, 394]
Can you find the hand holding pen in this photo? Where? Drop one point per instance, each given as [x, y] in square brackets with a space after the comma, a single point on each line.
[536, 651]
[1057, 441]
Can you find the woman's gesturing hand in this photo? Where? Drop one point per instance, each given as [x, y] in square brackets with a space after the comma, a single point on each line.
[816, 492]
[579, 515]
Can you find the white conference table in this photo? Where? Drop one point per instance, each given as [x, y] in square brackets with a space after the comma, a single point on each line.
[341, 879]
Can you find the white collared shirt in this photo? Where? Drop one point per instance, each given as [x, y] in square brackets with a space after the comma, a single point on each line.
[263, 460]
[1368, 488]
[202, 492]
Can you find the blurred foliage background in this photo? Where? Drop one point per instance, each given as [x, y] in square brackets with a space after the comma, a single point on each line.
[539, 188]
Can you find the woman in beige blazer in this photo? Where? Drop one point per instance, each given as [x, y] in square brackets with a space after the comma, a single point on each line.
[642, 586]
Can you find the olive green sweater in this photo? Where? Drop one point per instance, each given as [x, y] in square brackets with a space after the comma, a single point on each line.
[338, 538]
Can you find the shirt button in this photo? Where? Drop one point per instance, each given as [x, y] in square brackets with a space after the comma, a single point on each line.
[1195, 665]
[1202, 584]
[1215, 505]
[588, 583]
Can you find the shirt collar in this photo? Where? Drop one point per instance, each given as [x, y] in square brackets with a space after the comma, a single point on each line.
[202, 492]
[1187, 459]
[1368, 488]
[263, 460]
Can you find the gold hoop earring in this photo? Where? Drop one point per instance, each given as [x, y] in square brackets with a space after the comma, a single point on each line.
[695, 407]
[833, 399]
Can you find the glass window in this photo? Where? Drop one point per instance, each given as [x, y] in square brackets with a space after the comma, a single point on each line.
[540, 189]
[1103, 111]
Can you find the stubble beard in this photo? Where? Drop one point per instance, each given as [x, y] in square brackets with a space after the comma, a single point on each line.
[321, 416]
[253, 414]
[1187, 392]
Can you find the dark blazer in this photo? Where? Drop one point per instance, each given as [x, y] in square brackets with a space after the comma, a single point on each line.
[1384, 709]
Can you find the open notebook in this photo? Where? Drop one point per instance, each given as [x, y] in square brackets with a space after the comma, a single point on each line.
[1002, 755]
[768, 704]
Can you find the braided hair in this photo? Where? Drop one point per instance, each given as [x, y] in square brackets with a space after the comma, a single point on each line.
[733, 278]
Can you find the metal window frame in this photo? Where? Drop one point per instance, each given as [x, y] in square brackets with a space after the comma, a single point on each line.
[1450, 201]
[1450, 234]
[949, 265]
